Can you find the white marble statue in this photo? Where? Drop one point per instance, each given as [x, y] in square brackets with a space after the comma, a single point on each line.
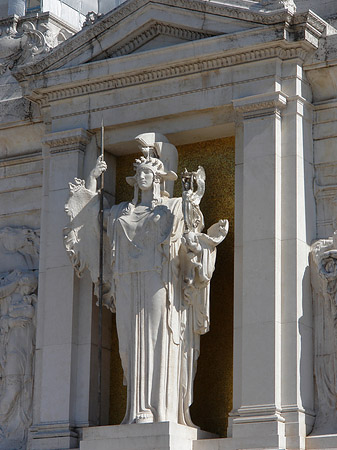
[158, 266]
[324, 283]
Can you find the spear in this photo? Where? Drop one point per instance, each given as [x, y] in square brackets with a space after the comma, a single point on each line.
[100, 295]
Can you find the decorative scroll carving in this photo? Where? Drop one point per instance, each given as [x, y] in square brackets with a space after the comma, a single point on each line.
[27, 44]
[323, 263]
[17, 334]
[160, 266]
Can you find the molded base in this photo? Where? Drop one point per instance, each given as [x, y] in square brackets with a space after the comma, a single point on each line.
[147, 436]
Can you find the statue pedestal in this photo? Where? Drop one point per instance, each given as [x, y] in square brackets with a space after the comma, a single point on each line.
[147, 436]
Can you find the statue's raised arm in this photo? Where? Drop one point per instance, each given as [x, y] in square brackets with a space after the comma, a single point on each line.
[81, 236]
[160, 267]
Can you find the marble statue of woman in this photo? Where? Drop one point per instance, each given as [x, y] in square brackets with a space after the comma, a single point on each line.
[158, 269]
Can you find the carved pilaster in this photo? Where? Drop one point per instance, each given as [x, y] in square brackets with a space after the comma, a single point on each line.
[257, 314]
[62, 363]
[274, 198]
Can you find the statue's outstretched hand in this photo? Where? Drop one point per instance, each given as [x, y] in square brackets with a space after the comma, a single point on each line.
[100, 167]
[219, 229]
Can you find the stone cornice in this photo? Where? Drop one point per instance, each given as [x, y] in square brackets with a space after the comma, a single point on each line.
[257, 105]
[311, 19]
[171, 71]
[224, 45]
[65, 141]
[76, 44]
[147, 99]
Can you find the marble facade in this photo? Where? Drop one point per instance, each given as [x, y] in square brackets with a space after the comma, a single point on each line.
[193, 70]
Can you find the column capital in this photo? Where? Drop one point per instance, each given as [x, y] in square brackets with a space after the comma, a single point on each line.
[66, 141]
[261, 104]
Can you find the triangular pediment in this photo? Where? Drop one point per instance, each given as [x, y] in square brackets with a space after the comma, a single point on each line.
[151, 36]
[144, 25]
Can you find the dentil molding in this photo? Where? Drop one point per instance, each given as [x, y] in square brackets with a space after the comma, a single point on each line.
[171, 71]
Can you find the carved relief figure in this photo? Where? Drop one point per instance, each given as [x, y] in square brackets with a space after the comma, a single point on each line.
[324, 283]
[23, 243]
[156, 280]
[17, 344]
[19, 258]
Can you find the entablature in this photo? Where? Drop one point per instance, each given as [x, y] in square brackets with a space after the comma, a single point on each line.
[206, 62]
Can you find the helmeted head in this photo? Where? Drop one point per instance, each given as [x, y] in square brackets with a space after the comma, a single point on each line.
[150, 174]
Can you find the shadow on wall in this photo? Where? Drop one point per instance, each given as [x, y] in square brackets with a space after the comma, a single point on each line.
[306, 362]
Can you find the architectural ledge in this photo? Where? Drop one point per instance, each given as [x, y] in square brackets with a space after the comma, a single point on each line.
[272, 102]
[106, 76]
[64, 141]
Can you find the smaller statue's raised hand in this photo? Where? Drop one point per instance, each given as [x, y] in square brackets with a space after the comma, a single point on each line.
[100, 167]
[95, 173]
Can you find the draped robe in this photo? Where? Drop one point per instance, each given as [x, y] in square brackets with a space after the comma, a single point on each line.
[158, 336]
